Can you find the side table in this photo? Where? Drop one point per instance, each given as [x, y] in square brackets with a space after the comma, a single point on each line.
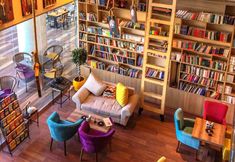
[29, 116]
[61, 85]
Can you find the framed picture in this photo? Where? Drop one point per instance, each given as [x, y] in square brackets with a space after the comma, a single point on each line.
[48, 3]
[6, 11]
[27, 7]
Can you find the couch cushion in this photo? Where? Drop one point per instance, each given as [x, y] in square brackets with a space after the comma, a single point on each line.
[95, 85]
[102, 105]
[122, 94]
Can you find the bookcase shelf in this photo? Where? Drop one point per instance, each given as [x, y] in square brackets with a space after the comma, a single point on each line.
[124, 50]
[191, 33]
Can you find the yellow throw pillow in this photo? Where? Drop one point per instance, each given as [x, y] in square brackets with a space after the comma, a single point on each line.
[122, 94]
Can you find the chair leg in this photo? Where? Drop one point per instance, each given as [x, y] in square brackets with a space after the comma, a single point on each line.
[178, 147]
[65, 148]
[81, 154]
[26, 87]
[96, 157]
[51, 144]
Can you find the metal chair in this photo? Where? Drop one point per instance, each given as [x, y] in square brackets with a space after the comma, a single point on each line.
[24, 67]
[53, 53]
[7, 85]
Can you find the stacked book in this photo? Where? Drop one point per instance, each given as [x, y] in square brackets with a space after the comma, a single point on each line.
[206, 17]
[82, 16]
[230, 78]
[133, 37]
[133, 73]
[130, 24]
[232, 64]
[219, 65]
[139, 60]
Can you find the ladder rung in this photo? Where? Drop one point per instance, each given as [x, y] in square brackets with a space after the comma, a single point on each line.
[162, 5]
[153, 95]
[154, 81]
[155, 67]
[157, 52]
[164, 22]
[152, 108]
[159, 37]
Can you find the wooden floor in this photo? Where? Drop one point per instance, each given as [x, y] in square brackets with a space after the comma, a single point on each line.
[144, 140]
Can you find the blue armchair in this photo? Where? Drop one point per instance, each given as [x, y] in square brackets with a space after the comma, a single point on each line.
[61, 130]
[184, 128]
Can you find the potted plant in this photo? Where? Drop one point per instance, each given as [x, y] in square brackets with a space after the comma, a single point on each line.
[79, 57]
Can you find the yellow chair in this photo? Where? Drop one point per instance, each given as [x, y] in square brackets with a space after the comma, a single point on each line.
[162, 159]
[226, 149]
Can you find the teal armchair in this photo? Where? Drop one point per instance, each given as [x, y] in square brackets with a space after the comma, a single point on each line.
[61, 130]
[184, 128]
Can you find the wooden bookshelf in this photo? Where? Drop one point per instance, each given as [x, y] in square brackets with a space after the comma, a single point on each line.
[203, 41]
[124, 50]
[158, 42]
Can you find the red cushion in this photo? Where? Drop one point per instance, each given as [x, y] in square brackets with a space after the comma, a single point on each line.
[215, 112]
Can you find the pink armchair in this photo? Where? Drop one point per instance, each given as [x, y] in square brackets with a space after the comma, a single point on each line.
[215, 111]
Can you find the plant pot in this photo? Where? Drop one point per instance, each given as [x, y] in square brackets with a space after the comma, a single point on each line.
[77, 84]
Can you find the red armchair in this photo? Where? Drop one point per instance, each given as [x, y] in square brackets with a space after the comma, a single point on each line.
[215, 112]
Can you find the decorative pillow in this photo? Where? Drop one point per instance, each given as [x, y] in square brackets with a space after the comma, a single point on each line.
[122, 94]
[110, 92]
[95, 85]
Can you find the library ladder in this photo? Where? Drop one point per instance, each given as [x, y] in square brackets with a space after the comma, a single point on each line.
[156, 100]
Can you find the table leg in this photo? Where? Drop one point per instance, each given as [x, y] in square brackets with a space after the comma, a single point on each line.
[37, 119]
[52, 96]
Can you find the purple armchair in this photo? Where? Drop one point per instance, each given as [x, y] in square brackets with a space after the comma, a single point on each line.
[7, 86]
[24, 67]
[93, 141]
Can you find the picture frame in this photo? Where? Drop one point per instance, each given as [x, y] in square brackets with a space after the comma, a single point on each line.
[6, 11]
[48, 3]
[27, 7]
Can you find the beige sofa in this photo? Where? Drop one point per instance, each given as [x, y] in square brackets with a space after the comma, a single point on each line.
[106, 107]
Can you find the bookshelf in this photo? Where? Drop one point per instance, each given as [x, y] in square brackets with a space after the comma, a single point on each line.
[119, 50]
[202, 54]
[12, 122]
[158, 42]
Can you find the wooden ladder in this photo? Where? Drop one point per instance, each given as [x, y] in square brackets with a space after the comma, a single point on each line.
[151, 19]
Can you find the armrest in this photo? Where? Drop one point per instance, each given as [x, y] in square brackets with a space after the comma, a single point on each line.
[80, 96]
[189, 122]
[130, 107]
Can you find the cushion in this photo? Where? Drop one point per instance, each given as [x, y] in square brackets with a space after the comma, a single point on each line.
[188, 130]
[95, 85]
[110, 92]
[102, 105]
[122, 94]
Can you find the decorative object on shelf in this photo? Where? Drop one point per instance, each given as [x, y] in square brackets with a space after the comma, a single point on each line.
[48, 3]
[79, 57]
[27, 7]
[6, 11]
[113, 26]
[133, 12]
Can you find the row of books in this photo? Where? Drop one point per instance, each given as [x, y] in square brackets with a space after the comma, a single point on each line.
[82, 27]
[195, 60]
[206, 17]
[206, 73]
[91, 16]
[14, 124]
[133, 73]
[201, 47]
[230, 78]
[9, 109]
[130, 24]
[156, 74]
[232, 64]
[192, 88]
[230, 99]
[7, 100]
[96, 64]
[219, 65]
[198, 80]
[203, 33]
[158, 45]
[133, 37]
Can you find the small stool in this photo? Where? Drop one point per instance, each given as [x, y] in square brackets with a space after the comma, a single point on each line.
[62, 93]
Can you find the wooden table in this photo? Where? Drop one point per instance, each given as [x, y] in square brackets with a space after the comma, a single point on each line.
[55, 14]
[217, 138]
[77, 114]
